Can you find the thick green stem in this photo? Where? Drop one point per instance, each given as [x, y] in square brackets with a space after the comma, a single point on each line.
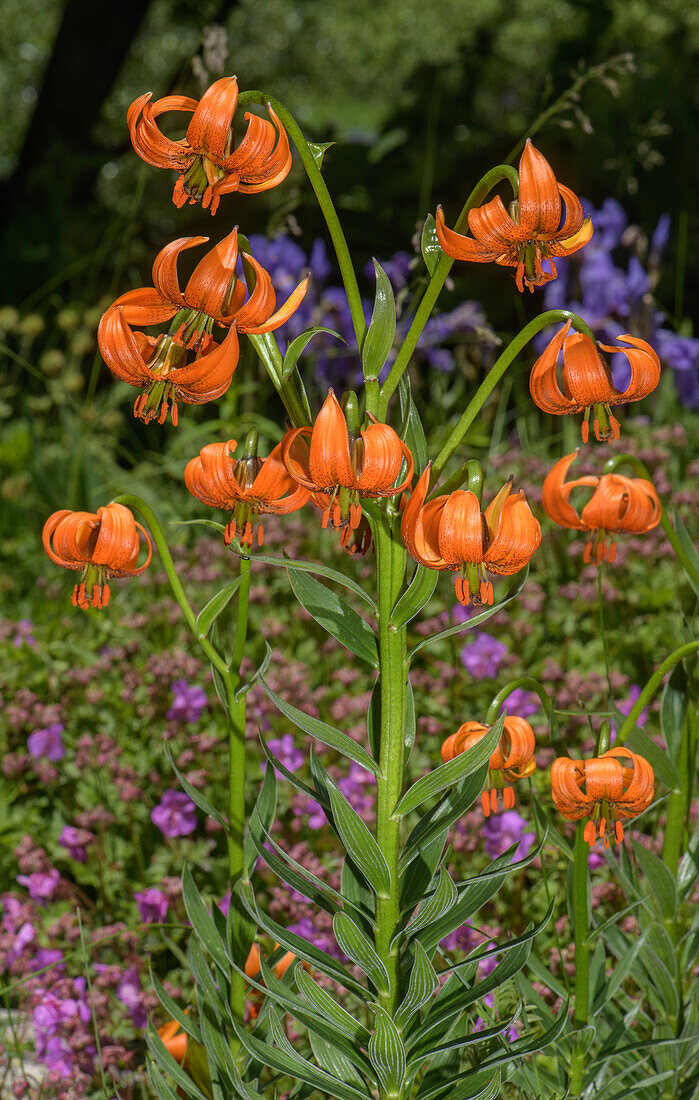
[325, 202]
[434, 287]
[581, 916]
[390, 565]
[673, 538]
[652, 686]
[550, 317]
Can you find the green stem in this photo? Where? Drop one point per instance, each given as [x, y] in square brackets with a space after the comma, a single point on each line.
[325, 202]
[581, 915]
[652, 686]
[268, 350]
[390, 565]
[550, 317]
[613, 464]
[527, 683]
[434, 286]
[679, 802]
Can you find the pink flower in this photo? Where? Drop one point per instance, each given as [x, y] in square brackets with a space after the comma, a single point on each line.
[175, 815]
[152, 905]
[47, 742]
[41, 884]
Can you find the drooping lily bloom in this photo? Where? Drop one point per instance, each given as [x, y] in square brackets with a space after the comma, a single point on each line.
[164, 366]
[451, 532]
[205, 159]
[535, 230]
[628, 504]
[101, 545]
[513, 759]
[587, 380]
[248, 487]
[617, 784]
[340, 467]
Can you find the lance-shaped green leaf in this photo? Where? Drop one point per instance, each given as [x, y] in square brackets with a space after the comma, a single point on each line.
[207, 989]
[673, 711]
[334, 1061]
[257, 674]
[310, 567]
[218, 1050]
[359, 843]
[690, 550]
[296, 876]
[522, 1047]
[660, 879]
[196, 796]
[301, 948]
[387, 1053]
[202, 922]
[298, 346]
[360, 950]
[243, 1089]
[418, 592]
[415, 880]
[475, 620]
[159, 1082]
[260, 820]
[218, 603]
[461, 1041]
[321, 731]
[660, 761]
[374, 721]
[438, 820]
[446, 775]
[335, 616]
[290, 1063]
[172, 1008]
[429, 245]
[422, 985]
[327, 1006]
[174, 1071]
[382, 329]
[282, 769]
[412, 431]
[440, 902]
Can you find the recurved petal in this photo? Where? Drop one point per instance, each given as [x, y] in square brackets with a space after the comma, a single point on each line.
[586, 376]
[568, 245]
[210, 282]
[210, 476]
[284, 312]
[460, 247]
[412, 525]
[165, 270]
[645, 369]
[146, 137]
[566, 778]
[273, 482]
[330, 461]
[555, 492]
[517, 537]
[518, 743]
[261, 302]
[119, 348]
[604, 778]
[539, 198]
[463, 534]
[144, 306]
[574, 215]
[74, 538]
[638, 794]
[295, 452]
[622, 504]
[493, 227]
[117, 540]
[49, 528]
[543, 380]
[211, 122]
[383, 454]
[210, 375]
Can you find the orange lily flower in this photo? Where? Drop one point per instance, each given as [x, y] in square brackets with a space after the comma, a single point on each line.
[619, 783]
[213, 294]
[513, 759]
[340, 467]
[451, 532]
[174, 1040]
[207, 164]
[103, 544]
[587, 380]
[530, 233]
[248, 486]
[628, 504]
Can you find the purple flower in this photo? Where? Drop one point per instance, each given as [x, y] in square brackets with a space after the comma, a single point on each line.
[397, 269]
[522, 703]
[609, 223]
[483, 656]
[594, 860]
[461, 939]
[75, 841]
[358, 788]
[24, 633]
[47, 742]
[129, 992]
[503, 830]
[188, 703]
[440, 359]
[46, 957]
[41, 884]
[308, 931]
[285, 749]
[316, 818]
[152, 905]
[25, 936]
[682, 354]
[661, 235]
[628, 704]
[175, 814]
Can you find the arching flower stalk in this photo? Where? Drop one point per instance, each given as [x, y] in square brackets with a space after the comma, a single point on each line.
[340, 466]
[247, 486]
[512, 760]
[164, 366]
[451, 532]
[100, 545]
[586, 380]
[545, 221]
[205, 159]
[618, 784]
[618, 504]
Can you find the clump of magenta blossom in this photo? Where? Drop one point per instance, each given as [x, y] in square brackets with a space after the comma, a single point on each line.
[175, 814]
[152, 905]
[76, 842]
[483, 655]
[188, 704]
[522, 703]
[47, 742]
